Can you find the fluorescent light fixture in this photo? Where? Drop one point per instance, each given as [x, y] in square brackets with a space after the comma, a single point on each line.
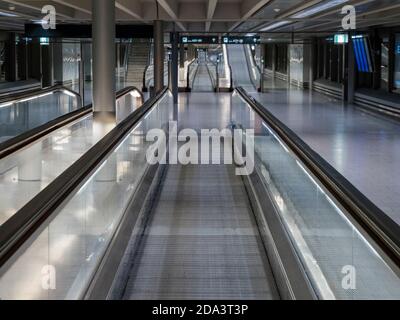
[318, 8]
[7, 14]
[275, 25]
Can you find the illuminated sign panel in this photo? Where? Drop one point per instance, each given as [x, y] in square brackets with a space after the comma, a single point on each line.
[240, 40]
[199, 40]
[341, 39]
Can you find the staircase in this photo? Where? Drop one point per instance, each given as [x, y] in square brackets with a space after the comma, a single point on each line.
[137, 62]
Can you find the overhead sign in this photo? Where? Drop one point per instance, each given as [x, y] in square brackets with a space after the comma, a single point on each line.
[341, 39]
[199, 40]
[241, 40]
[123, 31]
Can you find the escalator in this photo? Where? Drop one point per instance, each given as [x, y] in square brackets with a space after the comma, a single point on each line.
[24, 115]
[240, 68]
[118, 225]
[38, 157]
[202, 81]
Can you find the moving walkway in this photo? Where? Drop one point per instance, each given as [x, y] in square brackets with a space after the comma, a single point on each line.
[115, 226]
[31, 164]
[26, 116]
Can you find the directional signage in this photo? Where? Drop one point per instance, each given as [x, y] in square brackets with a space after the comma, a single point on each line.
[199, 39]
[241, 40]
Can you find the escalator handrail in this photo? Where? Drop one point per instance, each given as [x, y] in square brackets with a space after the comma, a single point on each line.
[372, 219]
[17, 143]
[22, 225]
[16, 97]
[188, 73]
[250, 67]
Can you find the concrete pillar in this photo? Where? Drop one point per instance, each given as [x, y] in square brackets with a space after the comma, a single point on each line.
[350, 77]
[273, 60]
[158, 56]
[11, 58]
[392, 61]
[313, 62]
[103, 32]
[47, 66]
[35, 60]
[182, 57]
[174, 65]
[376, 56]
[22, 60]
[262, 66]
[58, 62]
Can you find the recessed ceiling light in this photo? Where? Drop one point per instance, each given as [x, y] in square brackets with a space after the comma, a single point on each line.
[12, 8]
[277, 9]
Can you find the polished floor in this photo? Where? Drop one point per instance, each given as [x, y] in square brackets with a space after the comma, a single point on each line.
[363, 147]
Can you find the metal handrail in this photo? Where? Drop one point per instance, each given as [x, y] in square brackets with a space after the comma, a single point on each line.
[373, 220]
[14, 144]
[22, 225]
[17, 97]
[250, 67]
[188, 74]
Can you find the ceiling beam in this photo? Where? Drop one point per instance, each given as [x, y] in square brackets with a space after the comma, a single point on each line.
[248, 9]
[79, 5]
[171, 8]
[131, 7]
[211, 6]
[38, 5]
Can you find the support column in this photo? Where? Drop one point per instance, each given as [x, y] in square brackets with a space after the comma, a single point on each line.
[174, 65]
[262, 66]
[22, 53]
[182, 57]
[11, 58]
[313, 62]
[103, 30]
[392, 61]
[35, 60]
[158, 56]
[274, 60]
[350, 73]
[47, 66]
[58, 62]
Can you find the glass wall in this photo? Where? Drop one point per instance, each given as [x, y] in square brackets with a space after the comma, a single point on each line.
[397, 65]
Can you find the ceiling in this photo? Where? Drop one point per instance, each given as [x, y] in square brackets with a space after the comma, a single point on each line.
[213, 15]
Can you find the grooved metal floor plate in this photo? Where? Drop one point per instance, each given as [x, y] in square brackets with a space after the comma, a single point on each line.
[202, 241]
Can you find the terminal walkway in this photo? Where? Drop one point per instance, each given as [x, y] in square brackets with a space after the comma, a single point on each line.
[126, 228]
